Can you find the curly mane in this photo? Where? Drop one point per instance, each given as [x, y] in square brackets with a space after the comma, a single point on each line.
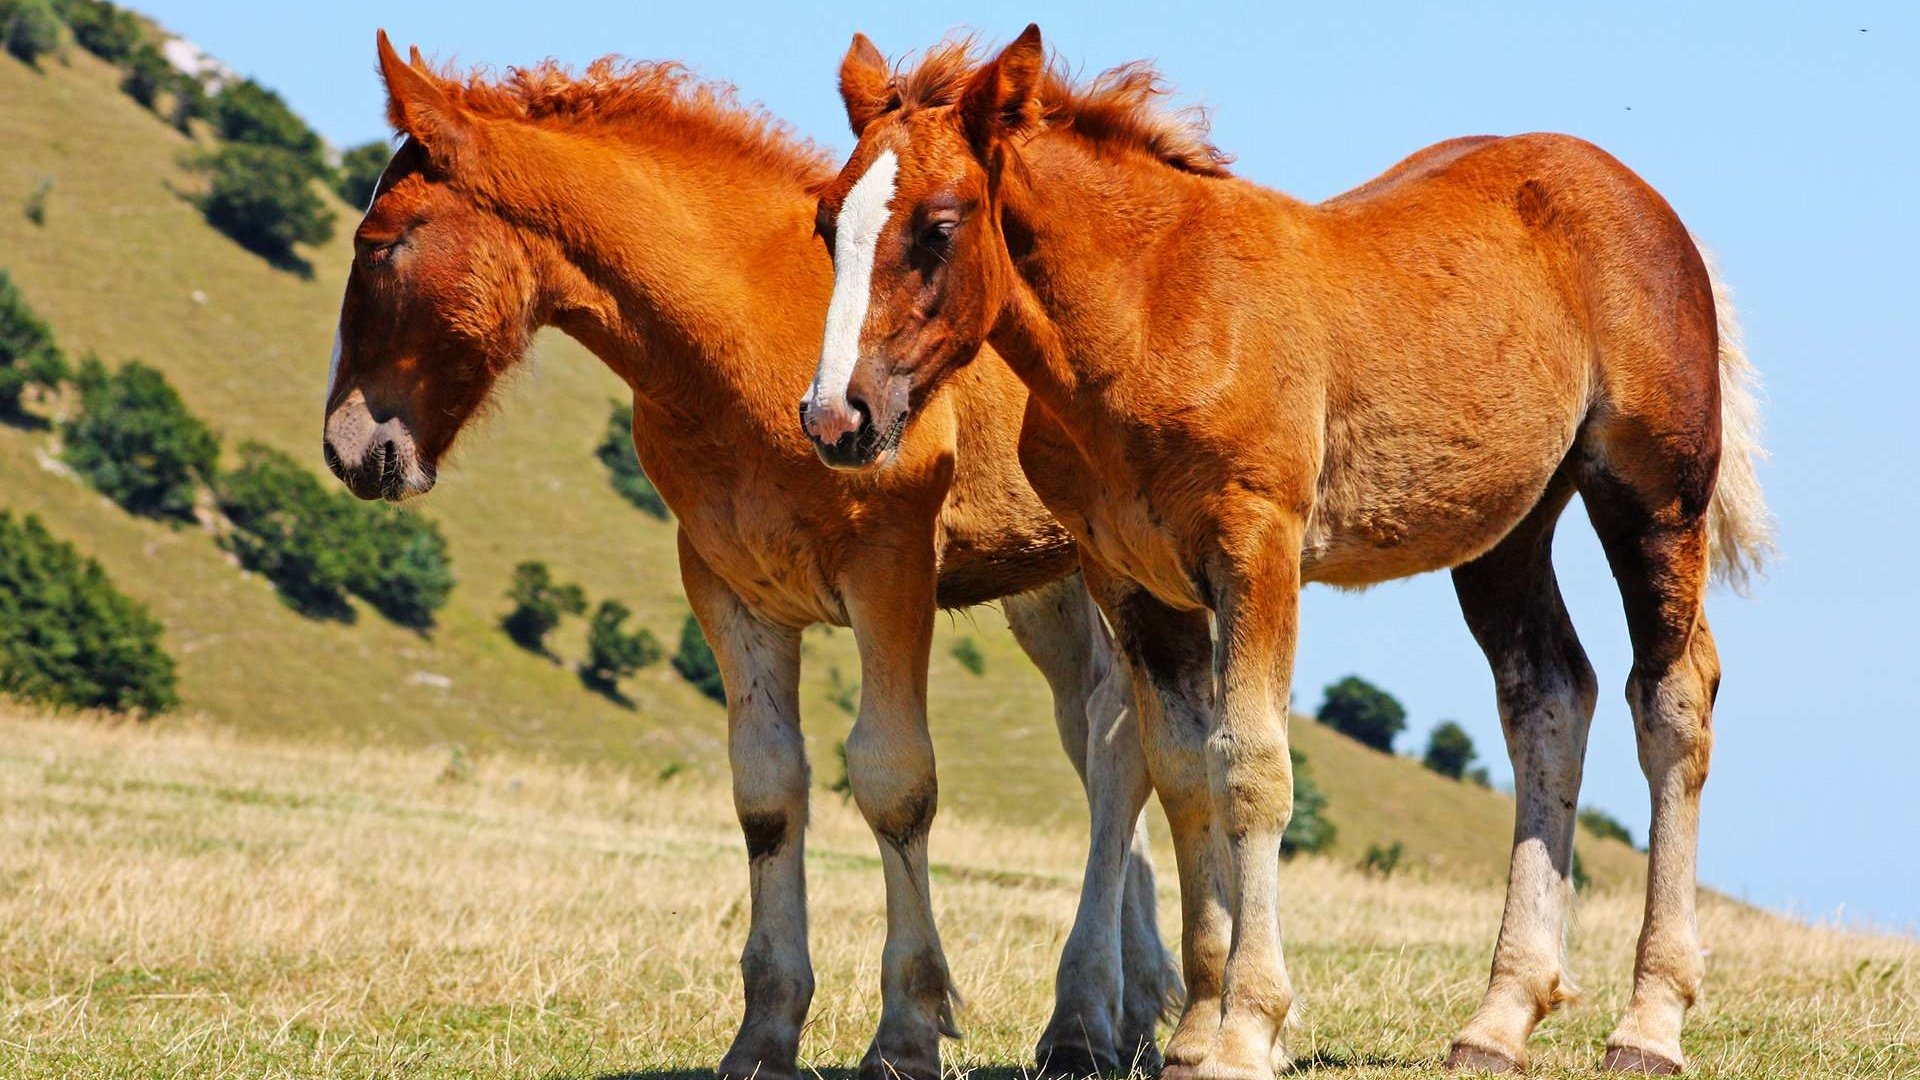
[617, 93]
[1119, 107]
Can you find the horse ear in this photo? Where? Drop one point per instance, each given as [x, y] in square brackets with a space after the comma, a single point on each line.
[1001, 99]
[418, 106]
[865, 84]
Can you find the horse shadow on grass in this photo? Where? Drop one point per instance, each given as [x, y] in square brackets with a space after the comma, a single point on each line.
[1324, 1061]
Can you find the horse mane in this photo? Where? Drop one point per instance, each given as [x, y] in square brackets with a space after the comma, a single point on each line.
[1119, 107]
[614, 92]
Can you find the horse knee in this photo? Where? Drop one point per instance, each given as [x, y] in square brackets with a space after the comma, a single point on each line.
[893, 784]
[1673, 719]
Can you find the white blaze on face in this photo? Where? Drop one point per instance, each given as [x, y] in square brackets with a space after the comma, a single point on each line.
[333, 365]
[855, 236]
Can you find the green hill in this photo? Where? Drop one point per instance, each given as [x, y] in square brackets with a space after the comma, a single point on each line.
[123, 265]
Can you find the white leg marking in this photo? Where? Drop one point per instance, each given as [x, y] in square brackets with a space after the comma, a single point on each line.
[856, 234]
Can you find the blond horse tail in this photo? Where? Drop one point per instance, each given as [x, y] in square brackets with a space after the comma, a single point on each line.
[1740, 528]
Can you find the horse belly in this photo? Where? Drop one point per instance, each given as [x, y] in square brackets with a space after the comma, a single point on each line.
[1400, 507]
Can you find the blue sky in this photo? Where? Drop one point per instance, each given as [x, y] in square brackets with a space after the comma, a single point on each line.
[1786, 140]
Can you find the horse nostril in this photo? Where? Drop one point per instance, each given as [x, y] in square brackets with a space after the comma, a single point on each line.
[866, 416]
[334, 464]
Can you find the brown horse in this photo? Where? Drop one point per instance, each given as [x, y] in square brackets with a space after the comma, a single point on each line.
[1235, 393]
[671, 232]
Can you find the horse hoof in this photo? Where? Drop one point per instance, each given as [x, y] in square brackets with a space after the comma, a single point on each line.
[1464, 1058]
[1066, 1061]
[1633, 1059]
[1145, 1060]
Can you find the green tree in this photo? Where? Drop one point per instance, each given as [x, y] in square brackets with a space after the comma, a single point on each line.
[28, 355]
[695, 663]
[246, 112]
[629, 479]
[136, 442]
[967, 652]
[1449, 750]
[1604, 825]
[263, 198]
[403, 566]
[190, 101]
[148, 73]
[360, 169]
[29, 28]
[612, 652]
[538, 604]
[1363, 711]
[1309, 829]
[103, 29]
[67, 636]
[286, 527]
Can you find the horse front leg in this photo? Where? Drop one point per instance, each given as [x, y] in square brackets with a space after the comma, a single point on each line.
[760, 665]
[890, 768]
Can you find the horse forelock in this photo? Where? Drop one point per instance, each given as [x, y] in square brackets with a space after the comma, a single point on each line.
[1120, 107]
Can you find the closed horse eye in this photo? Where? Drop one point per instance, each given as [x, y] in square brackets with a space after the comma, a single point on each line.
[937, 237]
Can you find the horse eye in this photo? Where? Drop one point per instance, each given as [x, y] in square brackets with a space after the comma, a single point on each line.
[937, 236]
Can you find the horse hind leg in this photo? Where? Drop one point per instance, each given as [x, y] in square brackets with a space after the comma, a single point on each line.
[1654, 531]
[1546, 691]
[1115, 975]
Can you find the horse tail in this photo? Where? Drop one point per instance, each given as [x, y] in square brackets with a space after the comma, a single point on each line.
[1740, 528]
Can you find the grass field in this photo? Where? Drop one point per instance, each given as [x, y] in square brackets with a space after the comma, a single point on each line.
[183, 901]
[125, 266]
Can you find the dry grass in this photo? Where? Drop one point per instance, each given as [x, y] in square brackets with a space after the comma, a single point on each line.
[184, 902]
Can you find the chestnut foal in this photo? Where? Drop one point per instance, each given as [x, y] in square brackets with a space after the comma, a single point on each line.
[671, 232]
[1235, 393]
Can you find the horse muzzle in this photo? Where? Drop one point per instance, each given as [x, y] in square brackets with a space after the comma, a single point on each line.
[376, 459]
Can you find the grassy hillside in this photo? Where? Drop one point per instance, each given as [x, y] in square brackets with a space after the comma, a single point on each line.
[125, 266]
[184, 901]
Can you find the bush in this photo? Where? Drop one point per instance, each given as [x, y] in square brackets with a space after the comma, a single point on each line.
[103, 29]
[1604, 825]
[613, 653]
[629, 479]
[286, 528]
[28, 355]
[695, 663]
[67, 636]
[401, 564]
[1449, 750]
[37, 201]
[1382, 861]
[248, 113]
[967, 651]
[318, 545]
[538, 604]
[263, 198]
[1479, 777]
[136, 442]
[30, 29]
[190, 101]
[1309, 829]
[148, 73]
[1363, 711]
[360, 170]
[844, 693]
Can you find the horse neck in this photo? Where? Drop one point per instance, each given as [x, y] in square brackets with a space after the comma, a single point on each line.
[1074, 323]
[695, 278]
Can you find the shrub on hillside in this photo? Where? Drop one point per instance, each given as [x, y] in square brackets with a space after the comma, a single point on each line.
[539, 602]
[1309, 829]
[401, 564]
[1604, 825]
[612, 652]
[148, 73]
[246, 112]
[967, 652]
[29, 29]
[190, 101]
[67, 636]
[28, 355]
[1363, 711]
[695, 663]
[286, 528]
[1449, 750]
[136, 442]
[629, 479]
[262, 197]
[359, 172]
[106, 30]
